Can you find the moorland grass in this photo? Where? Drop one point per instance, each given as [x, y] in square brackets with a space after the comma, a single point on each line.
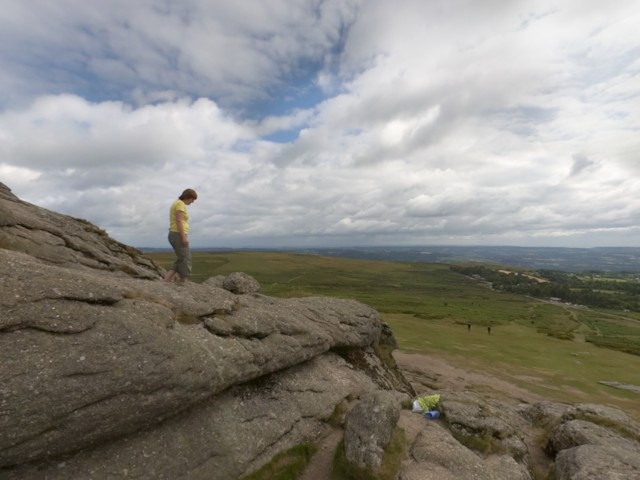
[556, 369]
[429, 307]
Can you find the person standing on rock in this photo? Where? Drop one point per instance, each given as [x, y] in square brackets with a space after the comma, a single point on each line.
[178, 236]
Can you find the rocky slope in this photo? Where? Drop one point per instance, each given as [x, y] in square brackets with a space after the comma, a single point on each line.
[107, 372]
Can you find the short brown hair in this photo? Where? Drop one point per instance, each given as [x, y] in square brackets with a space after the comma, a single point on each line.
[188, 193]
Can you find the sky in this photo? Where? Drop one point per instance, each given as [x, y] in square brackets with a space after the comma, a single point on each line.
[323, 123]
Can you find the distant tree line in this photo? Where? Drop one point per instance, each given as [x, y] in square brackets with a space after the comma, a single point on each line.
[588, 289]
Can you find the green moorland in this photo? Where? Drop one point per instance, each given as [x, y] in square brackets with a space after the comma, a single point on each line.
[535, 344]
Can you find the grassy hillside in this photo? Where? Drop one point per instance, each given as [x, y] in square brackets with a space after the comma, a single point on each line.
[535, 344]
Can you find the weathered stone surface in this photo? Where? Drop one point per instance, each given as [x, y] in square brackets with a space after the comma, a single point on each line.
[5, 192]
[380, 366]
[596, 442]
[544, 413]
[86, 359]
[66, 241]
[579, 432]
[225, 436]
[216, 281]
[368, 428]
[471, 415]
[91, 350]
[240, 283]
[598, 462]
[586, 441]
[603, 414]
[436, 455]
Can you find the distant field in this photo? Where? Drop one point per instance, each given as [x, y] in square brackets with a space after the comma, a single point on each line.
[429, 307]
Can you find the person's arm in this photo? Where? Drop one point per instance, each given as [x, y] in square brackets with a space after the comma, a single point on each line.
[180, 223]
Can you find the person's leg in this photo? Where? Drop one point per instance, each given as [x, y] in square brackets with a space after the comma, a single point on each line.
[184, 264]
[176, 243]
[168, 277]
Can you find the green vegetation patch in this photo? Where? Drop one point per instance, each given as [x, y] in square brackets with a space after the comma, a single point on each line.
[485, 444]
[622, 344]
[556, 369]
[287, 465]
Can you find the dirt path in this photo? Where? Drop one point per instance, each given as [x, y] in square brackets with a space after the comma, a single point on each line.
[433, 373]
[321, 463]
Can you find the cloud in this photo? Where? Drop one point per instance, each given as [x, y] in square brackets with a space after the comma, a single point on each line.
[233, 52]
[328, 122]
[580, 163]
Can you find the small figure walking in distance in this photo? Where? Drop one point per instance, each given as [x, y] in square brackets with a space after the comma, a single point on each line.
[468, 327]
[489, 329]
[178, 237]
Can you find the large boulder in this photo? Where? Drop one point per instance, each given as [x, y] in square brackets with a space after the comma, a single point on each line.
[470, 415]
[88, 358]
[239, 282]
[369, 426]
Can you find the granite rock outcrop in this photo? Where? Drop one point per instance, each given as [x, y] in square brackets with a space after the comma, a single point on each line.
[108, 372]
[100, 359]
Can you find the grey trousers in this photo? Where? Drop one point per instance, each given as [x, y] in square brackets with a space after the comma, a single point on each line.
[182, 265]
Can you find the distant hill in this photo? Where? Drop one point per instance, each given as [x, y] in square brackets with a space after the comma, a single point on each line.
[603, 259]
[598, 259]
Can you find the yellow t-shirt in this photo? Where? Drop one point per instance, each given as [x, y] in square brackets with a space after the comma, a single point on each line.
[178, 206]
